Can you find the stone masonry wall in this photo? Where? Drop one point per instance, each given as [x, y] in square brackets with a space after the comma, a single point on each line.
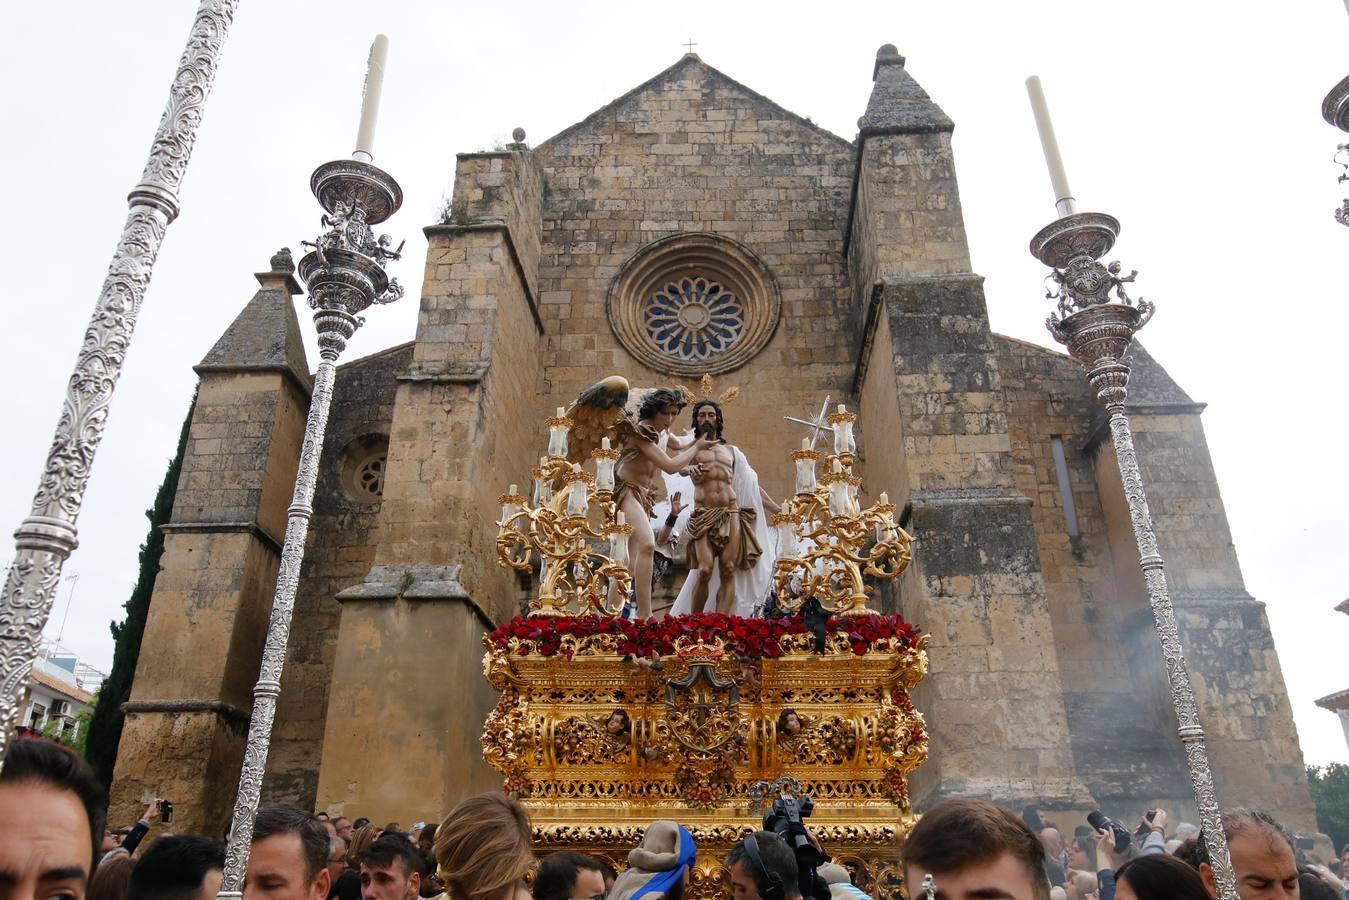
[338, 555]
[993, 697]
[208, 616]
[1242, 697]
[457, 435]
[1122, 731]
[693, 151]
[225, 476]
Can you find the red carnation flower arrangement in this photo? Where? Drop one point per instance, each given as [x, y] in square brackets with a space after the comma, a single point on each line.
[649, 638]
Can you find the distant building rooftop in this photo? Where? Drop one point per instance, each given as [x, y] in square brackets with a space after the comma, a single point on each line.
[1336, 701]
[60, 679]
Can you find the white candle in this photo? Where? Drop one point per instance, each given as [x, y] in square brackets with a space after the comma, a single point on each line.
[1063, 195]
[842, 407]
[561, 411]
[374, 85]
[885, 499]
[622, 517]
[604, 442]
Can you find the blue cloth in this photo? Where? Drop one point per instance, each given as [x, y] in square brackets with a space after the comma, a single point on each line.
[663, 881]
[1105, 884]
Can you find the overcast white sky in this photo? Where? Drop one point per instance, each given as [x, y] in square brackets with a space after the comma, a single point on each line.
[1196, 124]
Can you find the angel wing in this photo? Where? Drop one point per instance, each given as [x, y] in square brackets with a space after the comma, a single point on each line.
[598, 413]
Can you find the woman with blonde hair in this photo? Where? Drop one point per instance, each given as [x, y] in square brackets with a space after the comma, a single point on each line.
[361, 840]
[483, 849]
[348, 884]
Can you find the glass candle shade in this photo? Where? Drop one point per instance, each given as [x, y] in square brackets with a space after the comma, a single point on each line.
[786, 539]
[805, 475]
[604, 474]
[618, 548]
[578, 501]
[838, 498]
[842, 424]
[557, 441]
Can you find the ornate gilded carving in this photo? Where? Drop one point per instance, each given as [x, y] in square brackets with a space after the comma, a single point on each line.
[701, 733]
[829, 542]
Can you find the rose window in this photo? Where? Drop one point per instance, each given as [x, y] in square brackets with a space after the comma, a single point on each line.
[693, 304]
[694, 319]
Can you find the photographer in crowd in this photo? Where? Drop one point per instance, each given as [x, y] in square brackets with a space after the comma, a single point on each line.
[762, 867]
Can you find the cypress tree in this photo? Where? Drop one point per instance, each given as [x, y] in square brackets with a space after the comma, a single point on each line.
[105, 726]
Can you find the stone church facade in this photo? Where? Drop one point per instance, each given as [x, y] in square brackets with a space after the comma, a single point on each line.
[840, 269]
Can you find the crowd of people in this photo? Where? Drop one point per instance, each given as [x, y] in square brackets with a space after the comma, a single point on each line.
[54, 846]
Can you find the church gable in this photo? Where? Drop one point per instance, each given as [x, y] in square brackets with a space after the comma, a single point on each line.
[692, 152]
[690, 79]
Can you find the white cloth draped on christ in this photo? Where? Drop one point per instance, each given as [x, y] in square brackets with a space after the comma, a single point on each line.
[751, 585]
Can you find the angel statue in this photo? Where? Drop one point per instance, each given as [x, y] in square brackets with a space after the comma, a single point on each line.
[647, 451]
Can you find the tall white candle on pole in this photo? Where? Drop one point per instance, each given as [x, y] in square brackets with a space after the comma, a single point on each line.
[1063, 195]
[374, 84]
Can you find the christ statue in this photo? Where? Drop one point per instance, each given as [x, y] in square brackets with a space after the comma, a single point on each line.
[726, 533]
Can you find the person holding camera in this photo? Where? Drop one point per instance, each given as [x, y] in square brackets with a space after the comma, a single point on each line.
[133, 836]
[763, 867]
[1115, 846]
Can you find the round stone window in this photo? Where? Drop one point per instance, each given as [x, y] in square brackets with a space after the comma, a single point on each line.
[694, 304]
[362, 468]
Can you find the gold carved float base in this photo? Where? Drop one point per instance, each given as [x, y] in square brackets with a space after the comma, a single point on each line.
[597, 745]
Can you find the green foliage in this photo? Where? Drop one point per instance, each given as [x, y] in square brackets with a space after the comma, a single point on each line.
[1330, 793]
[451, 213]
[81, 743]
[104, 730]
[55, 730]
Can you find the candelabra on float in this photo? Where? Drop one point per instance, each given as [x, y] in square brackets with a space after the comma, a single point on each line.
[1096, 320]
[823, 532]
[575, 577]
[344, 274]
[1335, 110]
[47, 536]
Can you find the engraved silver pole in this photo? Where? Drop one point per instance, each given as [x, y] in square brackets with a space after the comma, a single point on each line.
[1097, 330]
[46, 538]
[344, 273]
[1335, 110]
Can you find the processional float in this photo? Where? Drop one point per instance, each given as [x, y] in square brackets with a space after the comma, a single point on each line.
[606, 724]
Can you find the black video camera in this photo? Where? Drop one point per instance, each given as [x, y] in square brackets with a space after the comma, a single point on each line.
[1100, 820]
[787, 820]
